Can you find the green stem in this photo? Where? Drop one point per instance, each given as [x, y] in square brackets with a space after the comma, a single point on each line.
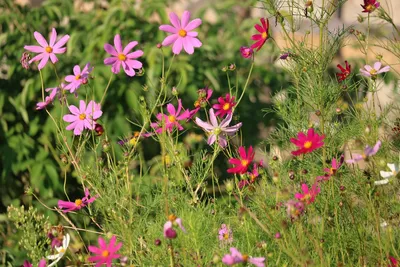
[108, 85]
[247, 83]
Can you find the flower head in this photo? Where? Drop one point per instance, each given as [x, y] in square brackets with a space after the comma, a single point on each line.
[173, 221]
[242, 163]
[336, 164]
[105, 253]
[263, 35]
[345, 72]
[61, 251]
[42, 263]
[370, 5]
[84, 117]
[225, 105]
[225, 234]
[368, 152]
[182, 35]
[47, 50]
[393, 262]
[308, 195]
[294, 208]
[171, 121]
[122, 56]
[394, 170]
[79, 77]
[218, 130]
[201, 102]
[246, 52]
[236, 257]
[307, 143]
[372, 72]
[67, 206]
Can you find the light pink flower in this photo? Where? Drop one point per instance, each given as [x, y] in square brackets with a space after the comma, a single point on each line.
[182, 35]
[308, 195]
[225, 234]
[171, 120]
[236, 257]
[368, 152]
[169, 231]
[105, 253]
[67, 206]
[369, 71]
[79, 77]
[121, 56]
[83, 117]
[47, 50]
[49, 99]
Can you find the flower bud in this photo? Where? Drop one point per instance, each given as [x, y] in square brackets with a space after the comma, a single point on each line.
[174, 91]
[157, 242]
[338, 110]
[225, 68]
[64, 159]
[229, 186]
[159, 45]
[170, 233]
[232, 67]
[140, 72]
[106, 146]
[98, 128]
[318, 113]
[360, 19]
[278, 235]
[246, 52]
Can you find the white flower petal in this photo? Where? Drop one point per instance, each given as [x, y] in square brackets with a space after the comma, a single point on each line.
[392, 166]
[382, 182]
[386, 174]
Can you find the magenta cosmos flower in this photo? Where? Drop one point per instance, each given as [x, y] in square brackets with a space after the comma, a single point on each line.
[83, 117]
[225, 234]
[79, 77]
[246, 52]
[308, 195]
[182, 35]
[121, 56]
[169, 231]
[236, 257]
[370, 5]
[171, 120]
[372, 72]
[104, 254]
[42, 263]
[67, 206]
[262, 36]
[225, 105]
[307, 143]
[368, 152]
[336, 164]
[242, 163]
[47, 50]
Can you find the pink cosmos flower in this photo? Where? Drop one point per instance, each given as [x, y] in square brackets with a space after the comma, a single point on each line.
[294, 208]
[336, 164]
[49, 99]
[372, 72]
[225, 234]
[243, 162]
[393, 262]
[182, 35]
[225, 105]
[218, 130]
[368, 152]
[79, 77]
[308, 196]
[252, 176]
[169, 231]
[67, 206]
[104, 254]
[42, 263]
[171, 120]
[84, 117]
[370, 5]
[47, 50]
[123, 57]
[262, 36]
[201, 102]
[307, 143]
[236, 257]
[246, 52]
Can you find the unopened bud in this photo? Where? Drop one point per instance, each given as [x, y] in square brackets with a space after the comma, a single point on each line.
[159, 45]
[174, 91]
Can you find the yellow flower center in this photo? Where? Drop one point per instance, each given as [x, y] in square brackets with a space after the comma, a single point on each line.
[171, 118]
[244, 162]
[370, 8]
[78, 202]
[306, 197]
[373, 71]
[172, 218]
[122, 57]
[77, 77]
[182, 33]
[226, 236]
[226, 106]
[217, 131]
[132, 142]
[82, 116]
[245, 257]
[332, 171]
[264, 35]
[105, 253]
[48, 49]
[197, 103]
[62, 250]
[307, 144]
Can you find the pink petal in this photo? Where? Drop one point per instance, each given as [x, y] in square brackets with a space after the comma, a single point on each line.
[61, 43]
[174, 20]
[134, 64]
[206, 126]
[129, 47]
[53, 58]
[185, 18]
[110, 60]
[177, 47]
[59, 50]
[70, 118]
[187, 45]
[195, 42]
[368, 68]
[110, 49]
[37, 58]
[213, 118]
[128, 70]
[53, 37]
[135, 54]
[193, 25]
[74, 110]
[43, 62]
[34, 48]
[171, 109]
[192, 34]
[82, 107]
[170, 39]
[377, 65]
[40, 39]
[70, 78]
[116, 67]
[168, 28]
[77, 70]
[384, 69]
[102, 243]
[118, 44]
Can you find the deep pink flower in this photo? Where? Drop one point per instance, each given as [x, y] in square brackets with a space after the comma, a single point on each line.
[246, 52]
[173, 221]
[236, 257]
[393, 262]
[79, 77]
[368, 152]
[345, 72]
[225, 105]
[336, 164]
[67, 206]
[243, 162]
[307, 143]
[263, 35]
[122, 56]
[47, 50]
[308, 195]
[83, 118]
[42, 263]
[225, 234]
[370, 5]
[294, 208]
[104, 254]
[172, 120]
[182, 35]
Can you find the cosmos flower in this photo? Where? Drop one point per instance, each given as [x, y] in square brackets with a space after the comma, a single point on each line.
[218, 131]
[246, 52]
[370, 5]
[393, 262]
[308, 195]
[242, 163]
[307, 143]
[182, 35]
[172, 120]
[345, 72]
[47, 50]
[61, 251]
[201, 102]
[236, 257]
[372, 72]
[368, 152]
[105, 253]
[394, 170]
[173, 221]
[294, 208]
[49, 99]
[336, 164]
[42, 263]
[79, 77]
[225, 234]
[67, 206]
[122, 56]
[225, 105]
[83, 118]
[262, 37]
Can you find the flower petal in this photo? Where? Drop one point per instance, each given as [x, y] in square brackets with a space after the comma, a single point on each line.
[129, 47]
[53, 37]
[40, 39]
[193, 25]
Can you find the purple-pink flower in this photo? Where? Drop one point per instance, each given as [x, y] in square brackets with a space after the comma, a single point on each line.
[67, 206]
[49, 99]
[236, 257]
[182, 35]
[336, 164]
[79, 77]
[308, 195]
[294, 208]
[121, 56]
[105, 253]
[368, 152]
[372, 72]
[42, 263]
[225, 234]
[47, 50]
[83, 117]
[169, 231]
[246, 52]
[171, 121]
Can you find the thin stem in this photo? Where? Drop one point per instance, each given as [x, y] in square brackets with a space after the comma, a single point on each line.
[108, 85]
[247, 82]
